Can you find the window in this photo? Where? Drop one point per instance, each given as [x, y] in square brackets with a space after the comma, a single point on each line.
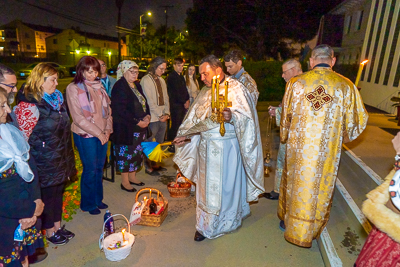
[54, 41]
[105, 45]
[37, 33]
[26, 35]
[359, 19]
[28, 47]
[42, 47]
[347, 24]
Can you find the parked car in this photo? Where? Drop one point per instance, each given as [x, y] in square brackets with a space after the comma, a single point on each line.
[25, 72]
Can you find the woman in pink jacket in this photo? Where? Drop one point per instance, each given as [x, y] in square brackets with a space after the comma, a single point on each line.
[89, 106]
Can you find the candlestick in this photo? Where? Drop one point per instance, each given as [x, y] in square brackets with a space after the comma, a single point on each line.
[213, 93]
[226, 94]
[217, 93]
[123, 234]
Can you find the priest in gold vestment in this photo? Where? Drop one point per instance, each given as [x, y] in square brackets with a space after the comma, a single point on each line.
[321, 110]
[228, 170]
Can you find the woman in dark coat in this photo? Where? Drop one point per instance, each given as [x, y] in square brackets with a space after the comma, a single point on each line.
[42, 117]
[20, 202]
[131, 116]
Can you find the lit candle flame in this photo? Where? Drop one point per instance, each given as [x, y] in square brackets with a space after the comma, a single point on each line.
[364, 62]
[123, 234]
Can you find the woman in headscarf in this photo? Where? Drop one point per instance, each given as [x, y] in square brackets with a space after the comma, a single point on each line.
[20, 202]
[131, 117]
[382, 208]
[89, 106]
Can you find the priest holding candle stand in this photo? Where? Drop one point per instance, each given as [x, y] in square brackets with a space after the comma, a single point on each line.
[227, 168]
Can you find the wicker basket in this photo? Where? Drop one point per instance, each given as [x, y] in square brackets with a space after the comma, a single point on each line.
[154, 220]
[179, 192]
[119, 253]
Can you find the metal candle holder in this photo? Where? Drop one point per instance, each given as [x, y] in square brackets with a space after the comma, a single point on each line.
[218, 105]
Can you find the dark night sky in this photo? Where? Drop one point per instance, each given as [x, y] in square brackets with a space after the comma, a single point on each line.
[103, 13]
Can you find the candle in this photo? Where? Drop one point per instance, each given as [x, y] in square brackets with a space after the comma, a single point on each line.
[158, 193]
[123, 234]
[226, 94]
[217, 92]
[150, 194]
[213, 93]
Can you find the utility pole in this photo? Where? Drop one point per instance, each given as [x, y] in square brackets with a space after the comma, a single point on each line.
[119, 4]
[166, 26]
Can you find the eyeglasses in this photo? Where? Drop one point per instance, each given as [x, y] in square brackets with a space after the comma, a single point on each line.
[133, 72]
[283, 72]
[103, 65]
[9, 85]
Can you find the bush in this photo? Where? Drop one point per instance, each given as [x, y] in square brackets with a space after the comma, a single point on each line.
[268, 76]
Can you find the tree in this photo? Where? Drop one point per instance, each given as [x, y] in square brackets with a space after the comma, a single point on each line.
[255, 26]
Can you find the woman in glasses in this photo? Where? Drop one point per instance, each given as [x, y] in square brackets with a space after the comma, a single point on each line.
[42, 117]
[89, 106]
[131, 117]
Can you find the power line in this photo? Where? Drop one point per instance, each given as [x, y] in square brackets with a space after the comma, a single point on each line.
[69, 17]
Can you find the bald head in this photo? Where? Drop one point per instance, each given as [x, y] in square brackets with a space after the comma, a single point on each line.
[322, 54]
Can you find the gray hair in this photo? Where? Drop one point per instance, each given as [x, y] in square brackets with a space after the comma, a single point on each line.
[5, 70]
[154, 63]
[213, 61]
[292, 61]
[322, 51]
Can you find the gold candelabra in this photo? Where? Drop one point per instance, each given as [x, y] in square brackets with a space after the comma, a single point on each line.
[217, 106]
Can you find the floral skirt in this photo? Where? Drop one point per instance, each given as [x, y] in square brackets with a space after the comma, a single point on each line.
[129, 158]
[33, 239]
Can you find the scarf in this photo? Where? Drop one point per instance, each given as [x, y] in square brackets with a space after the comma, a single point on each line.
[159, 89]
[87, 103]
[14, 150]
[124, 66]
[55, 100]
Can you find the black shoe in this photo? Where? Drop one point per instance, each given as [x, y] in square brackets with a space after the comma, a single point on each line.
[40, 255]
[282, 226]
[64, 232]
[128, 190]
[102, 206]
[152, 173]
[272, 195]
[96, 211]
[139, 184]
[57, 239]
[198, 237]
[160, 169]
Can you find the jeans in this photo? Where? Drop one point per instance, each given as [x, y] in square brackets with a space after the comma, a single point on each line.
[157, 129]
[93, 155]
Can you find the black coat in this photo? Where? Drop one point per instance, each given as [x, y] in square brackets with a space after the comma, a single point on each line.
[51, 143]
[16, 202]
[127, 112]
[177, 91]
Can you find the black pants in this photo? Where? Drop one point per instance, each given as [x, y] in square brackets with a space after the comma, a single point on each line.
[52, 198]
[178, 113]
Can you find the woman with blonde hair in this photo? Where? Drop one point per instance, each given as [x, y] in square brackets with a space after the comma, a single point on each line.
[191, 82]
[42, 117]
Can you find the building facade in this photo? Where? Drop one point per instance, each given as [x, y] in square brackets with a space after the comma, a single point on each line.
[24, 39]
[68, 46]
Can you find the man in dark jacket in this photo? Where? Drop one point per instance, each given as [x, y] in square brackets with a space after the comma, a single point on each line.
[178, 98]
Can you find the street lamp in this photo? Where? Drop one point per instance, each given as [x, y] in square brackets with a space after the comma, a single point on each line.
[88, 52]
[109, 58]
[142, 36]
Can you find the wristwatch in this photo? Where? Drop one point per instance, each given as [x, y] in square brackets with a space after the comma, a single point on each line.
[397, 157]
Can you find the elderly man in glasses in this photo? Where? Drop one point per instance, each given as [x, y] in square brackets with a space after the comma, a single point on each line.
[8, 81]
[107, 81]
[290, 69]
